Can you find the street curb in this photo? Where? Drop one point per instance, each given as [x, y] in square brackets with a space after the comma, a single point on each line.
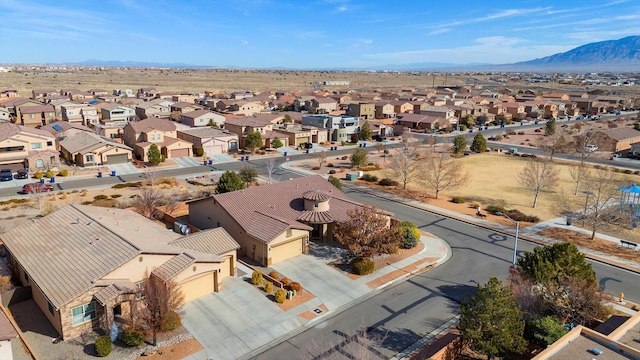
[522, 237]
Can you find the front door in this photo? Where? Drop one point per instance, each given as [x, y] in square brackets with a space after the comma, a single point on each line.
[315, 233]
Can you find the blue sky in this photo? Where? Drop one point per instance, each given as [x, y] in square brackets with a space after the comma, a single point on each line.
[306, 34]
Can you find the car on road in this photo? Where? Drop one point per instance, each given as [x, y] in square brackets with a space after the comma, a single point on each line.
[6, 175]
[36, 187]
[591, 148]
[378, 137]
[22, 174]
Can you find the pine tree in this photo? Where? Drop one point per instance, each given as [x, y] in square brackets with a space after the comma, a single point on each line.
[229, 181]
[491, 323]
[276, 143]
[459, 144]
[154, 155]
[479, 144]
[365, 131]
[253, 141]
[359, 158]
[550, 129]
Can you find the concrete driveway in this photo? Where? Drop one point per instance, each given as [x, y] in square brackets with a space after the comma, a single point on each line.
[236, 320]
[330, 286]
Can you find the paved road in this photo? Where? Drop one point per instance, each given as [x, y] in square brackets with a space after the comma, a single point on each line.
[414, 308]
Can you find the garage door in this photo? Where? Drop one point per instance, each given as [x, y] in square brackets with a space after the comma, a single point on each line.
[286, 251]
[198, 287]
[117, 159]
[179, 153]
[302, 140]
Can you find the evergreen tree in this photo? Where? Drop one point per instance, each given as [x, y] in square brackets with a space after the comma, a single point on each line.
[479, 144]
[248, 174]
[253, 141]
[287, 119]
[459, 144]
[335, 182]
[276, 143]
[229, 181]
[491, 323]
[365, 131]
[359, 158]
[154, 155]
[555, 263]
[550, 128]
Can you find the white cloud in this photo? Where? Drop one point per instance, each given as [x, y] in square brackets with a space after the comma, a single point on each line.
[439, 31]
[341, 8]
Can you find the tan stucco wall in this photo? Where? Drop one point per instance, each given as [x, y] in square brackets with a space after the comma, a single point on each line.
[134, 269]
[198, 286]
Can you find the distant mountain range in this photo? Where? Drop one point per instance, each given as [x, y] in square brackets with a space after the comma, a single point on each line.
[621, 55]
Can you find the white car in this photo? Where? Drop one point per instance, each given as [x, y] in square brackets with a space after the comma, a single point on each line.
[591, 148]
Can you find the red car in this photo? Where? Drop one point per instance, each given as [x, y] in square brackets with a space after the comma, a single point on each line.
[36, 187]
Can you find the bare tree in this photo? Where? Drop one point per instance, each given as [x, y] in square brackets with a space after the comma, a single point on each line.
[320, 157]
[579, 173]
[538, 175]
[599, 211]
[270, 167]
[37, 192]
[149, 196]
[367, 232]
[379, 146]
[172, 202]
[554, 143]
[405, 165]
[442, 172]
[361, 345]
[160, 297]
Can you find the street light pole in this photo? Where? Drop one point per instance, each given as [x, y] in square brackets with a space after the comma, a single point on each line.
[515, 242]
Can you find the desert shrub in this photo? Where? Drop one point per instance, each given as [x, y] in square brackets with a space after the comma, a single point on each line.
[330, 165]
[518, 215]
[100, 197]
[172, 321]
[497, 137]
[617, 170]
[198, 151]
[64, 172]
[127, 185]
[457, 200]
[285, 281]
[132, 336]
[295, 286]
[38, 175]
[87, 202]
[315, 168]
[494, 209]
[274, 274]
[627, 171]
[369, 178]
[332, 171]
[345, 157]
[103, 346]
[637, 172]
[521, 133]
[64, 196]
[256, 278]
[115, 196]
[387, 182]
[362, 266]
[410, 234]
[268, 287]
[49, 174]
[510, 132]
[280, 296]
[108, 203]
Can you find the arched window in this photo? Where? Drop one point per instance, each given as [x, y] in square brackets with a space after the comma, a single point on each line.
[39, 163]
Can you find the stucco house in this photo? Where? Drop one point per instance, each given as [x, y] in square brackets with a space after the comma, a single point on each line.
[275, 222]
[97, 258]
[88, 149]
[117, 113]
[213, 141]
[36, 116]
[80, 113]
[619, 139]
[365, 111]
[63, 130]
[33, 148]
[340, 127]
[140, 135]
[202, 118]
[321, 105]
[422, 122]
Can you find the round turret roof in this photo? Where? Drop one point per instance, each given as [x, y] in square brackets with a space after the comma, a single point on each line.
[316, 195]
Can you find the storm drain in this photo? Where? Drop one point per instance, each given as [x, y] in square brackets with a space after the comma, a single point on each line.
[317, 310]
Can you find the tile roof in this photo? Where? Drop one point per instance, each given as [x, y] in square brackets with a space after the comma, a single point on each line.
[37, 109]
[107, 294]
[316, 217]
[151, 124]
[174, 266]
[87, 141]
[206, 132]
[213, 241]
[7, 331]
[194, 114]
[266, 211]
[249, 121]
[622, 133]
[418, 118]
[8, 130]
[70, 250]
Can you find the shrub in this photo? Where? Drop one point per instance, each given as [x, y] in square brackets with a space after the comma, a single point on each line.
[256, 278]
[132, 336]
[172, 321]
[387, 182]
[457, 200]
[100, 197]
[627, 171]
[37, 175]
[332, 171]
[345, 157]
[49, 174]
[285, 281]
[198, 151]
[362, 266]
[280, 296]
[409, 233]
[510, 132]
[330, 165]
[520, 132]
[127, 185]
[494, 209]
[497, 137]
[103, 346]
[274, 274]
[64, 172]
[115, 196]
[268, 287]
[369, 178]
[295, 286]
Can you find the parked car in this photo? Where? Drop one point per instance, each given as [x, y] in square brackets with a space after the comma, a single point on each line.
[591, 148]
[36, 187]
[22, 174]
[6, 175]
[378, 137]
[617, 154]
[306, 145]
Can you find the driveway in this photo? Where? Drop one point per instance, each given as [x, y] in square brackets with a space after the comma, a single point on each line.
[236, 320]
[329, 285]
[123, 169]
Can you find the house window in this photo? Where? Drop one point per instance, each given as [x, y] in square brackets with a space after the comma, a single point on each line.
[32, 116]
[83, 313]
[89, 158]
[51, 309]
[140, 288]
[39, 163]
[315, 205]
[233, 145]
[152, 137]
[36, 146]
[49, 143]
